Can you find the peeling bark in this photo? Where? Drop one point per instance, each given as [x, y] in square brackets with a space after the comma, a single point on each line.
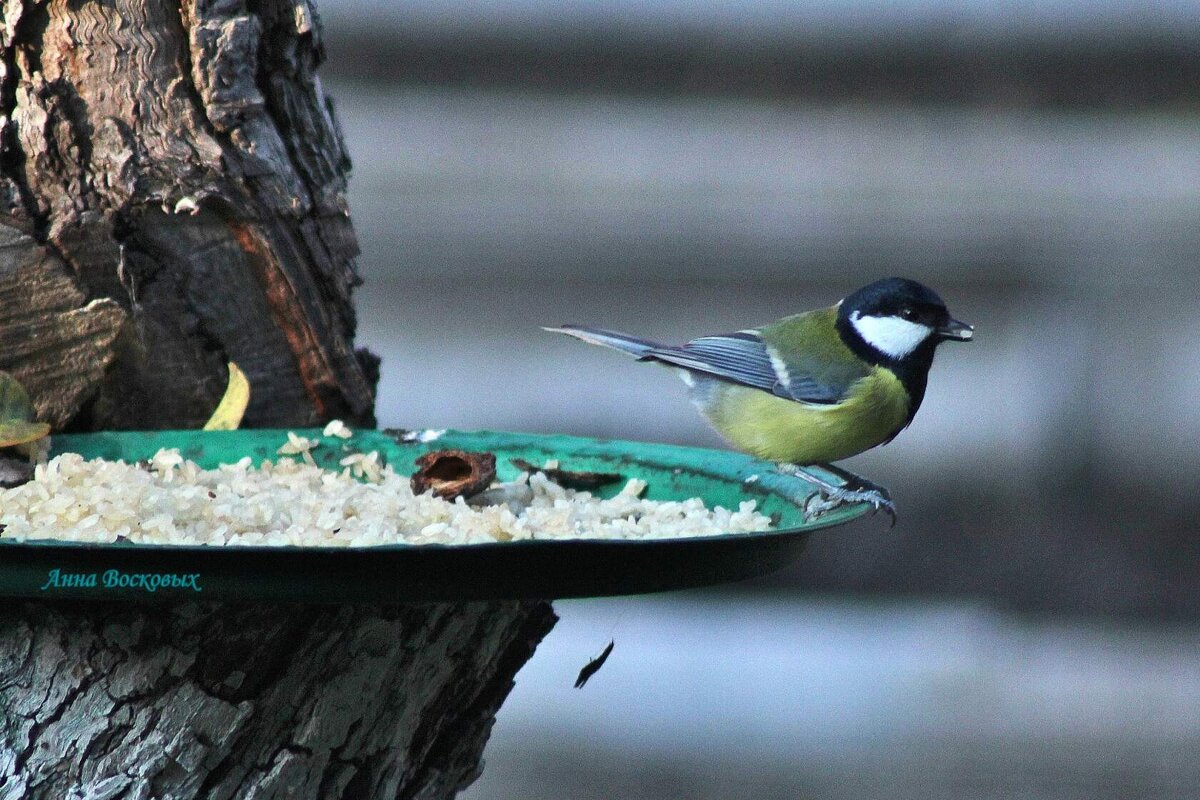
[173, 197]
[219, 701]
[51, 337]
[183, 161]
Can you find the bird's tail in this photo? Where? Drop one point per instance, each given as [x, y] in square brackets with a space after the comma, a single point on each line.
[636, 347]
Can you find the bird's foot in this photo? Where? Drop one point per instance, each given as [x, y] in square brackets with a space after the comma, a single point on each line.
[853, 490]
[824, 501]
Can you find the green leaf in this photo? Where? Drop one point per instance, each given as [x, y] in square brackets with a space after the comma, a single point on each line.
[15, 433]
[17, 425]
[14, 401]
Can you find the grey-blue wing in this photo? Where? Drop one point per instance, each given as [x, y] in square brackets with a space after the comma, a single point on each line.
[744, 358]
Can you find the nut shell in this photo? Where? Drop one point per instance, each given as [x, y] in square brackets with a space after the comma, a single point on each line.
[453, 473]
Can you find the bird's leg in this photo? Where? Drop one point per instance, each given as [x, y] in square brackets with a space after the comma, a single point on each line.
[852, 490]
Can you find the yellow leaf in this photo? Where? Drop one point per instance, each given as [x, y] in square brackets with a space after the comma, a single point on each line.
[232, 407]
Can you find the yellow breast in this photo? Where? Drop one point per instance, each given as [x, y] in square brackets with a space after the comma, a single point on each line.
[776, 429]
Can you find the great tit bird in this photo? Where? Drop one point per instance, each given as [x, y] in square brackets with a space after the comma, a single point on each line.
[815, 387]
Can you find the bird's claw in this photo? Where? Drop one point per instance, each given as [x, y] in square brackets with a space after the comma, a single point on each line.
[824, 501]
[854, 490]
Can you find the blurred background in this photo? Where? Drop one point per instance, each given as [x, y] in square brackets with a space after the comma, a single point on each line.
[1030, 628]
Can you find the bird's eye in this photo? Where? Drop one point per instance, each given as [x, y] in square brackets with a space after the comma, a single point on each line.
[908, 314]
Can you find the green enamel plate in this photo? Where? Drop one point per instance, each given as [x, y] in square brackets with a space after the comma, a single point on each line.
[414, 573]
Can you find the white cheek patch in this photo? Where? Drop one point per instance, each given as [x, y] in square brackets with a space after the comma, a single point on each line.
[895, 337]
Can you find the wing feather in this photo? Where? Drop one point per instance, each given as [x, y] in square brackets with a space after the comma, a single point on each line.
[745, 358]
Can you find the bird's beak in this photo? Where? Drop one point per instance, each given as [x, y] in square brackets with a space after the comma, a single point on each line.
[959, 331]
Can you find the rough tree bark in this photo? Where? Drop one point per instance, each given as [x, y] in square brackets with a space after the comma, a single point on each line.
[172, 197]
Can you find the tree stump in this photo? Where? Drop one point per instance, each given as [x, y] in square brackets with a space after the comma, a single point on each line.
[172, 198]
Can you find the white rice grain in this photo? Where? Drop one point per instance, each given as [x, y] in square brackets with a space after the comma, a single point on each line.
[170, 500]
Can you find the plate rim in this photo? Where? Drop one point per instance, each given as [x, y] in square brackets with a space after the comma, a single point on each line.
[837, 517]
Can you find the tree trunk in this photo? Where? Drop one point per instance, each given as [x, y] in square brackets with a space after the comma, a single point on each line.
[172, 197]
